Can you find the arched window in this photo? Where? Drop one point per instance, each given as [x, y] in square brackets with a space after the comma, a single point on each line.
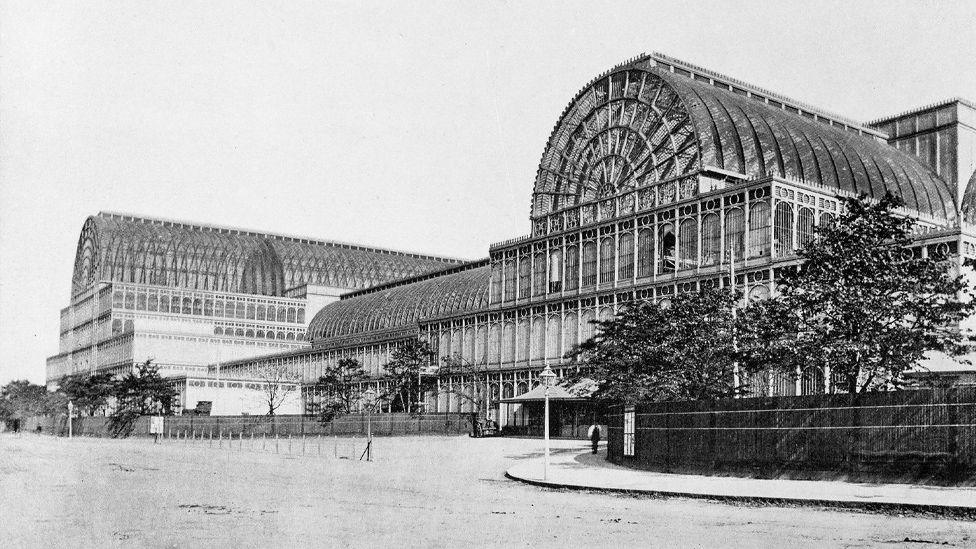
[759, 292]
[218, 331]
[589, 263]
[249, 333]
[556, 270]
[497, 267]
[153, 304]
[522, 350]
[666, 247]
[291, 314]
[783, 229]
[208, 307]
[570, 332]
[587, 328]
[260, 312]
[759, 229]
[510, 280]
[538, 339]
[645, 253]
[291, 336]
[164, 303]
[804, 226]
[259, 334]
[826, 218]
[468, 351]
[240, 310]
[141, 301]
[572, 267]
[553, 333]
[239, 332]
[218, 308]
[282, 314]
[688, 244]
[494, 340]
[539, 274]
[608, 257]
[735, 231]
[269, 335]
[525, 275]
[625, 268]
[301, 315]
[250, 311]
[187, 306]
[198, 306]
[508, 342]
[480, 341]
[711, 239]
[130, 300]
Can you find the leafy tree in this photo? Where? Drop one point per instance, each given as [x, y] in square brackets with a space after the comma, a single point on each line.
[685, 351]
[89, 393]
[21, 399]
[140, 392]
[862, 303]
[404, 373]
[339, 384]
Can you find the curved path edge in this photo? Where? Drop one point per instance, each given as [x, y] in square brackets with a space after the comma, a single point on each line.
[871, 506]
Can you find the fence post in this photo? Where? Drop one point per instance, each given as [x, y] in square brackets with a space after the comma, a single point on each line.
[276, 443]
[303, 441]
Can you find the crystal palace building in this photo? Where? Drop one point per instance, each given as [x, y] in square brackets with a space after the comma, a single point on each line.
[656, 176]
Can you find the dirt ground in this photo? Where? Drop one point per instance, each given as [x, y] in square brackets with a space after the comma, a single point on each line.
[419, 491]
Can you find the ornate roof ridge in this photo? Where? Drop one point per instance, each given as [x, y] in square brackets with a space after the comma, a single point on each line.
[786, 100]
[935, 105]
[417, 278]
[209, 227]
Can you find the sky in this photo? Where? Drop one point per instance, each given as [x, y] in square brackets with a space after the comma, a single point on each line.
[415, 126]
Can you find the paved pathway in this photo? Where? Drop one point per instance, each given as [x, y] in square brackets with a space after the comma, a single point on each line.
[580, 469]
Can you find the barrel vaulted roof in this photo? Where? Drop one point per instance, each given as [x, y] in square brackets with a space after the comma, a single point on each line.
[126, 248]
[657, 117]
[461, 290]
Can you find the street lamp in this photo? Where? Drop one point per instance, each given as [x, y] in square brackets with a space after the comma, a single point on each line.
[369, 398]
[548, 379]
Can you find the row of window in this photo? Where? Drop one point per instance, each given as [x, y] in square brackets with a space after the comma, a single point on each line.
[664, 248]
[225, 308]
[258, 333]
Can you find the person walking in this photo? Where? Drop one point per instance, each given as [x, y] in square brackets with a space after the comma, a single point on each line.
[595, 436]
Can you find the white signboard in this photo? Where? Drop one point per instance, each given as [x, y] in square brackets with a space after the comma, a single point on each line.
[155, 425]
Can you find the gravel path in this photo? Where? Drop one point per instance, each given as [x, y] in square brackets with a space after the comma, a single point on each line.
[419, 491]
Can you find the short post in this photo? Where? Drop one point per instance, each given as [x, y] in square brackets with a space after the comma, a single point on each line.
[303, 444]
[276, 442]
[289, 444]
[335, 447]
[71, 409]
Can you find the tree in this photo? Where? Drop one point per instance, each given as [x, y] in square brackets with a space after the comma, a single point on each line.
[140, 392]
[21, 398]
[648, 352]
[339, 384]
[279, 383]
[863, 302]
[89, 393]
[457, 366]
[404, 372]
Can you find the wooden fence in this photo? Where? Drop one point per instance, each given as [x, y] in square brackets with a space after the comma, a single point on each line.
[283, 425]
[900, 434]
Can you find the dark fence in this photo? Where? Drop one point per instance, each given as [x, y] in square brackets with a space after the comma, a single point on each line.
[918, 434]
[284, 425]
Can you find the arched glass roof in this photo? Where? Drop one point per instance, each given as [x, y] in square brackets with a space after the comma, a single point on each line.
[647, 119]
[122, 248]
[404, 305]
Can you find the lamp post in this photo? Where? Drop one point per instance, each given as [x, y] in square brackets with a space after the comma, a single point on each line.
[369, 398]
[548, 378]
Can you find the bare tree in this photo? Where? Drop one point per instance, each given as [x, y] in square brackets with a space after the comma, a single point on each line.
[279, 383]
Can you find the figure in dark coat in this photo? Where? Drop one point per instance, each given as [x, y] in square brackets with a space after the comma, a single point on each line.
[595, 436]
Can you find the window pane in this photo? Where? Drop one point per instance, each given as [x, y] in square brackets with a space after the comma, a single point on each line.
[783, 230]
[759, 229]
[666, 247]
[735, 230]
[608, 256]
[626, 267]
[645, 253]
[589, 263]
[572, 267]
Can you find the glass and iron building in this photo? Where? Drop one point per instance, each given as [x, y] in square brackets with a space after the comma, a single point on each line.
[657, 178]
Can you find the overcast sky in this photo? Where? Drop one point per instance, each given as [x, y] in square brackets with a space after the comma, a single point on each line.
[415, 128]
